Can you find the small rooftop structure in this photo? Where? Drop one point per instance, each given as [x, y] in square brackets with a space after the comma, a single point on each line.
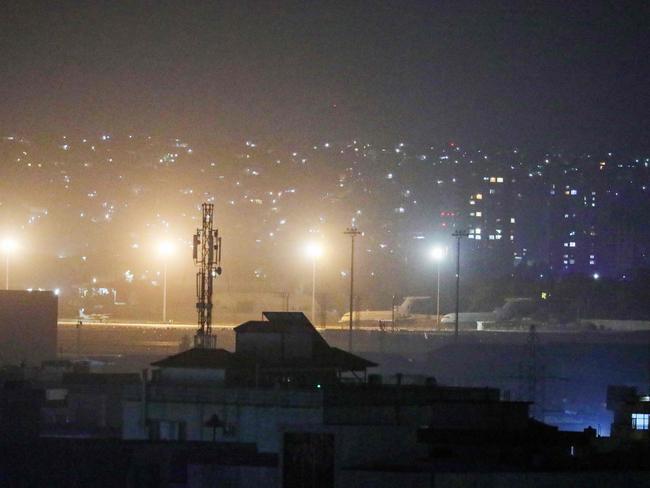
[285, 348]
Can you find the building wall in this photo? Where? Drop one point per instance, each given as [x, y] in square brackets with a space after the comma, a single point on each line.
[275, 346]
[191, 376]
[377, 479]
[28, 326]
[457, 415]
[251, 416]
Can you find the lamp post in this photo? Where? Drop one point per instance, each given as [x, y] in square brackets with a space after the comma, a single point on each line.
[165, 250]
[352, 232]
[9, 246]
[314, 251]
[438, 253]
[459, 234]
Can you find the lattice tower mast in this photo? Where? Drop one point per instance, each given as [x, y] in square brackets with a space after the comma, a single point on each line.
[207, 256]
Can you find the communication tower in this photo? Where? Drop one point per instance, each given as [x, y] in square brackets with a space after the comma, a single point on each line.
[207, 256]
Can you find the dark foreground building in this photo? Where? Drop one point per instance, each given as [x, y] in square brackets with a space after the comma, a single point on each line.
[28, 326]
[286, 409]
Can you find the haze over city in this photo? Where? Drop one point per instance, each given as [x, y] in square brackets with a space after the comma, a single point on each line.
[325, 244]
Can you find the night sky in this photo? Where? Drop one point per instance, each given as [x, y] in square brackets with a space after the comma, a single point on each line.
[569, 75]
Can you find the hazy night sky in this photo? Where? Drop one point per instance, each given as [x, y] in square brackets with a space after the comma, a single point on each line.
[568, 74]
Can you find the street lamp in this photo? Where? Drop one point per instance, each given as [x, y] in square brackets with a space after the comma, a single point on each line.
[9, 246]
[314, 251]
[165, 249]
[438, 253]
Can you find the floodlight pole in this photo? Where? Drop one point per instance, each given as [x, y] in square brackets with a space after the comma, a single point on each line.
[352, 232]
[438, 296]
[313, 289]
[7, 271]
[164, 314]
[459, 234]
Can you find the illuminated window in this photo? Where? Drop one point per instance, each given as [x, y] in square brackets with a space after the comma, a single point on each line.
[512, 220]
[499, 179]
[572, 244]
[479, 196]
[479, 214]
[640, 421]
[493, 179]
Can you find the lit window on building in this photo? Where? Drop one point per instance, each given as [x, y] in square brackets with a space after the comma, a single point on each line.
[479, 214]
[512, 220]
[640, 421]
[479, 196]
[500, 179]
[572, 244]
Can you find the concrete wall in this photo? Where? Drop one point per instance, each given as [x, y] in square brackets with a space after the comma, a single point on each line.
[190, 376]
[200, 476]
[274, 346]
[379, 479]
[251, 416]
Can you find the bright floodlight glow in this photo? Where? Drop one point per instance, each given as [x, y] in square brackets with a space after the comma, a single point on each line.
[9, 245]
[438, 253]
[314, 250]
[166, 248]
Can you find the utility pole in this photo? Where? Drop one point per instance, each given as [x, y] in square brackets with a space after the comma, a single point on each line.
[352, 232]
[459, 234]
